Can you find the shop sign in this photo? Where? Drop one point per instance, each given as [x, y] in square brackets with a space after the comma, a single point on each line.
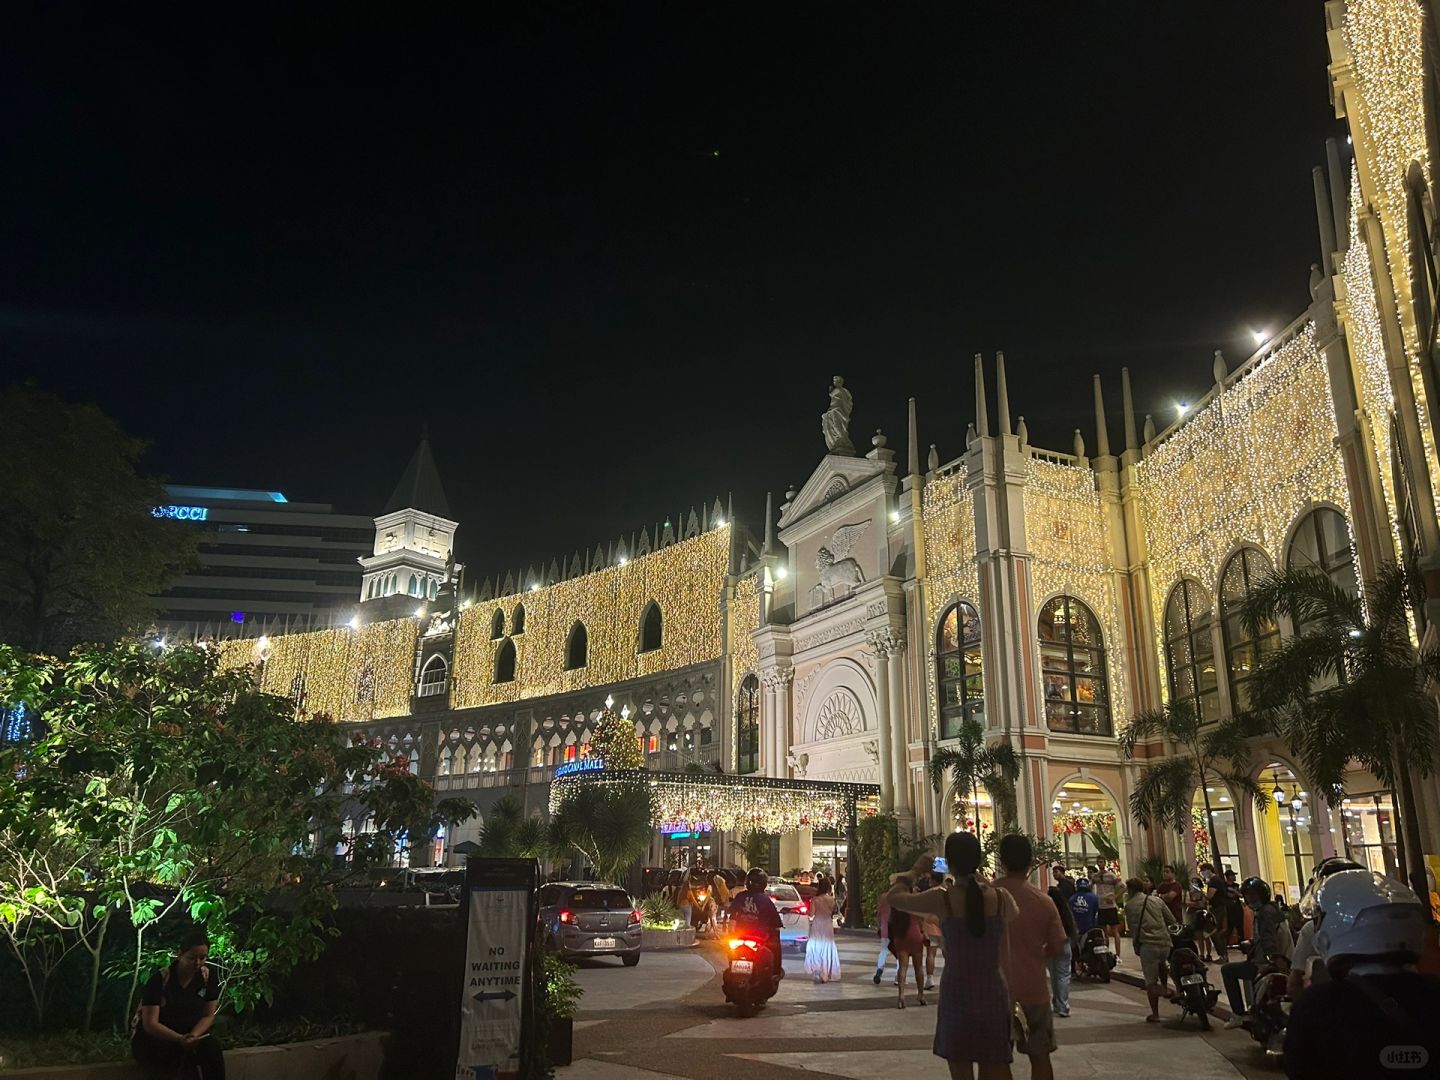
[584, 765]
[182, 513]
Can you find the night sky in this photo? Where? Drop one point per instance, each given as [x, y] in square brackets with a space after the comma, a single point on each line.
[613, 253]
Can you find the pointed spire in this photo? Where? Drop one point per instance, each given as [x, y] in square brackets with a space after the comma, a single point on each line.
[769, 524]
[1219, 368]
[1079, 444]
[971, 438]
[1002, 393]
[914, 442]
[982, 417]
[717, 513]
[1149, 428]
[1022, 432]
[933, 461]
[1131, 443]
[1102, 433]
[419, 487]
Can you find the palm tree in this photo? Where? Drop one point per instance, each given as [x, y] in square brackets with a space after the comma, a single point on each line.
[611, 824]
[1350, 685]
[508, 834]
[1165, 791]
[972, 765]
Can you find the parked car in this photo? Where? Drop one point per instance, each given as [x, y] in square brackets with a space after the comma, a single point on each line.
[794, 911]
[590, 918]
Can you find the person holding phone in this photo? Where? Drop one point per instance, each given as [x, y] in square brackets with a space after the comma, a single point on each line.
[177, 1010]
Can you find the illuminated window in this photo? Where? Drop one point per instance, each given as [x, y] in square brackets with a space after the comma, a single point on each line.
[747, 726]
[1072, 668]
[651, 627]
[434, 677]
[1243, 650]
[1322, 544]
[505, 662]
[1190, 650]
[654, 746]
[570, 752]
[960, 669]
[577, 647]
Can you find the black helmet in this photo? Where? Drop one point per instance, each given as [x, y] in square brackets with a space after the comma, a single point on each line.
[756, 880]
[1254, 884]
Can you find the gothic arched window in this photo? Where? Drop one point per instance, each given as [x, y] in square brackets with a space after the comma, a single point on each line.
[747, 726]
[1190, 650]
[959, 668]
[497, 625]
[577, 647]
[652, 627]
[1243, 649]
[434, 676]
[505, 662]
[1072, 668]
[517, 620]
[413, 589]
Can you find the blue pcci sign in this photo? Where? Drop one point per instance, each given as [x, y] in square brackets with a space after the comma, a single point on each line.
[584, 765]
[182, 513]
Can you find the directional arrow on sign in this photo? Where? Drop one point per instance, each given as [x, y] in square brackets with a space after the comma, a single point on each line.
[495, 995]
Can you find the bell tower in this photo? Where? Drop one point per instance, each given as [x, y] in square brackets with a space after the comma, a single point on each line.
[414, 543]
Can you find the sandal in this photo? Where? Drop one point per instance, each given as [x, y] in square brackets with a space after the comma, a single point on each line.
[920, 1000]
[900, 1004]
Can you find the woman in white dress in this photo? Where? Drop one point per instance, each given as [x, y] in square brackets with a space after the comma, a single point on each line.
[822, 958]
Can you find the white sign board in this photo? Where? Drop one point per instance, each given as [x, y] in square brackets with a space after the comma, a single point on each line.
[493, 996]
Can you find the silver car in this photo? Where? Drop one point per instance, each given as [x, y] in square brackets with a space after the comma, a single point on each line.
[590, 918]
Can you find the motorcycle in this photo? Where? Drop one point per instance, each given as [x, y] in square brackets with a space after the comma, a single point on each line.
[701, 911]
[1096, 956]
[750, 978]
[1270, 1012]
[1193, 992]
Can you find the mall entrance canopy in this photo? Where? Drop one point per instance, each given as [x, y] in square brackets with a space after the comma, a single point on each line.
[742, 804]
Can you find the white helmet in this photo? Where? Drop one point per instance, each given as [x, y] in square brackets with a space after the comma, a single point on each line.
[1365, 915]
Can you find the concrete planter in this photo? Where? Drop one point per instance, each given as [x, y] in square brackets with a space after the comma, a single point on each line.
[354, 1057]
[666, 939]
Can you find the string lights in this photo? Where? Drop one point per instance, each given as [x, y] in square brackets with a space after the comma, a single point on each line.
[685, 579]
[744, 612]
[1241, 470]
[757, 804]
[947, 523]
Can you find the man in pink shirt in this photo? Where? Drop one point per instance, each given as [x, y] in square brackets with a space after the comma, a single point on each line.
[1035, 936]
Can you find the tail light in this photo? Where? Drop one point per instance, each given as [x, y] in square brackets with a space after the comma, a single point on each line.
[634, 916]
[567, 917]
[736, 943]
[802, 910]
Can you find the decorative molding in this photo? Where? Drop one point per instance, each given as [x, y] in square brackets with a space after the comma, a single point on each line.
[829, 633]
[876, 608]
[777, 678]
[840, 716]
[884, 643]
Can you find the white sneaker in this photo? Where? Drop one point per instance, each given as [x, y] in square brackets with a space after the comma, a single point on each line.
[1236, 1021]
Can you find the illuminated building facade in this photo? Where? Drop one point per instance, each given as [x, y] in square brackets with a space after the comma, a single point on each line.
[1049, 595]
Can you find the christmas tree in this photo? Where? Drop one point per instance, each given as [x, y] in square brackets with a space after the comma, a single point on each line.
[613, 740]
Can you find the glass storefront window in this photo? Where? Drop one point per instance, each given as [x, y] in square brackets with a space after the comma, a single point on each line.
[1085, 823]
[747, 726]
[1243, 650]
[1286, 851]
[960, 669]
[1190, 650]
[1369, 828]
[1072, 668]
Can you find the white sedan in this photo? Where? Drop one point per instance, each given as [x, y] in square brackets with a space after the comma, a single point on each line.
[794, 912]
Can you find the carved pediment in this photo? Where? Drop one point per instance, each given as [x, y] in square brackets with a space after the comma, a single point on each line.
[836, 477]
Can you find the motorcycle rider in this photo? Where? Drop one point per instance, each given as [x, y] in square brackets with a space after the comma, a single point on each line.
[1376, 1017]
[1266, 947]
[753, 908]
[1302, 971]
[1085, 907]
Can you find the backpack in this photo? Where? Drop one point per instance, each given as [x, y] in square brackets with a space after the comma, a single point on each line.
[135, 1024]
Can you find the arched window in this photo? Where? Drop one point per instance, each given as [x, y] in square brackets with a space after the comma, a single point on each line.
[1190, 650]
[747, 727]
[434, 588]
[577, 647]
[443, 763]
[505, 662]
[517, 620]
[413, 588]
[652, 627]
[497, 625]
[390, 585]
[960, 669]
[434, 676]
[1322, 544]
[1072, 668]
[1243, 650]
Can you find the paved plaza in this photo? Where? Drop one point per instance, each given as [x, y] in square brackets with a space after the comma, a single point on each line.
[669, 1018]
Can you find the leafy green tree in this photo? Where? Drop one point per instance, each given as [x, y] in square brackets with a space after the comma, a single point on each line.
[163, 789]
[1351, 685]
[80, 551]
[611, 824]
[971, 765]
[1202, 753]
[755, 846]
[508, 834]
[613, 741]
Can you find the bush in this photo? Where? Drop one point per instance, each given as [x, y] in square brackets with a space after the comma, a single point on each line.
[658, 913]
[879, 851]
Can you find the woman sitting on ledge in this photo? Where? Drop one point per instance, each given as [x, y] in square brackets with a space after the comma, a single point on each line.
[177, 1009]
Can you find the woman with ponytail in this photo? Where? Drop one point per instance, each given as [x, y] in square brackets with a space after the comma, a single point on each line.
[972, 1025]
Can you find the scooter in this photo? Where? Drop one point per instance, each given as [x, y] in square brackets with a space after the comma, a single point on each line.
[1193, 992]
[1270, 1012]
[750, 978]
[1096, 956]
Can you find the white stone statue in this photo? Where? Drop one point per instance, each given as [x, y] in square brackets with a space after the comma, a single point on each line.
[835, 421]
[838, 571]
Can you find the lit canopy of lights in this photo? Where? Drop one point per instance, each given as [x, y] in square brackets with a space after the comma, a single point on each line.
[736, 803]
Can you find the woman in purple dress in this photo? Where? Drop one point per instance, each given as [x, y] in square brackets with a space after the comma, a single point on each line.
[972, 1025]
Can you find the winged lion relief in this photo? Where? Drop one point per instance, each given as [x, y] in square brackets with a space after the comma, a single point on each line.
[839, 572]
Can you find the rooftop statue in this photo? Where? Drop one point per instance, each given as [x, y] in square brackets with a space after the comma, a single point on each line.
[835, 421]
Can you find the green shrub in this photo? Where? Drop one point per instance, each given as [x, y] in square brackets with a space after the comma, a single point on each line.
[658, 913]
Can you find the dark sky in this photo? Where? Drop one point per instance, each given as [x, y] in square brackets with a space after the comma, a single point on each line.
[614, 252]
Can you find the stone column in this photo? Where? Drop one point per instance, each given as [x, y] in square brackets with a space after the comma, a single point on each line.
[777, 689]
[767, 730]
[878, 645]
[900, 734]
